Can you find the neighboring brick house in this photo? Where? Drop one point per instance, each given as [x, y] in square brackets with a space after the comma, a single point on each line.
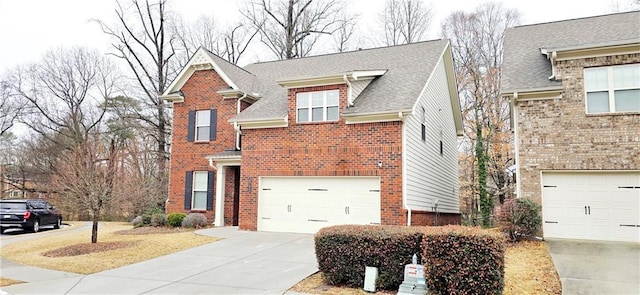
[363, 137]
[575, 92]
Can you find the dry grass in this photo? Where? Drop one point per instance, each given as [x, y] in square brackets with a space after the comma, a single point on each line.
[139, 247]
[8, 282]
[528, 270]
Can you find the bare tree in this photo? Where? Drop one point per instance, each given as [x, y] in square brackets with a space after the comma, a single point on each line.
[477, 39]
[86, 176]
[10, 107]
[405, 21]
[230, 43]
[624, 5]
[343, 37]
[142, 39]
[63, 94]
[291, 28]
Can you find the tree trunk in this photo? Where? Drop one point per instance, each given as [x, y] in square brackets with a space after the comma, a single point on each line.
[94, 228]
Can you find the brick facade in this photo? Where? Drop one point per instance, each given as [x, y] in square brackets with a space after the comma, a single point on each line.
[200, 93]
[558, 134]
[323, 149]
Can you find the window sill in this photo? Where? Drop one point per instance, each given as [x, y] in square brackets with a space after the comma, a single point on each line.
[201, 141]
[198, 211]
[613, 114]
[317, 122]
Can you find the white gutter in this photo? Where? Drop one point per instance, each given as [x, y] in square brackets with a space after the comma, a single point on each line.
[551, 56]
[349, 92]
[236, 127]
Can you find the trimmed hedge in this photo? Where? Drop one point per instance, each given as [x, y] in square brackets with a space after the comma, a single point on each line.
[458, 259]
[175, 219]
[463, 260]
[344, 251]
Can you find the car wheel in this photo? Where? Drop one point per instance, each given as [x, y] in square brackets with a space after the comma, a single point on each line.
[36, 226]
[58, 223]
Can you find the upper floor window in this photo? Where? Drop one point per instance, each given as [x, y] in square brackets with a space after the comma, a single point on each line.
[202, 125]
[317, 106]
[612, 89]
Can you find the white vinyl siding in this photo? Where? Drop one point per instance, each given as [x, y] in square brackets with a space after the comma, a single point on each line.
[430, 175]
[612, 89]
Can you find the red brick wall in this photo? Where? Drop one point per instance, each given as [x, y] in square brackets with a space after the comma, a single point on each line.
[323, 149]
[429, 218]
[199, 94]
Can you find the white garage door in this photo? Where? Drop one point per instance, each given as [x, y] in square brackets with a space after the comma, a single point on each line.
[307, 204]
[592, 206]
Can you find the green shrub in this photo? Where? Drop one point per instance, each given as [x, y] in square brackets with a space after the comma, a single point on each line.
[175, 219]
[157, 219]
[519, 218]
[344, 251]
[137, 222]
[463, 260]
[147, 214]
[195, 220]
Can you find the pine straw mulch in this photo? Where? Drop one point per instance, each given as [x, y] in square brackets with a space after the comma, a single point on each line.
[88, 248]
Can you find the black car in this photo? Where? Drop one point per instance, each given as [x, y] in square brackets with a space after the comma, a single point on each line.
[28, 214]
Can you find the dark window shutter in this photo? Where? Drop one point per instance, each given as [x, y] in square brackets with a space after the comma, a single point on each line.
[213, 123]
[188, 184]
[210, 185]
[191, 126]
[423, 132]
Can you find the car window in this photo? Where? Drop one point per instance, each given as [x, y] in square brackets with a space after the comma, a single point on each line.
[37, 205]
[13, 206]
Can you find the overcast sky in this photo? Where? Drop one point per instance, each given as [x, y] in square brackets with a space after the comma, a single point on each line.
[28, 28]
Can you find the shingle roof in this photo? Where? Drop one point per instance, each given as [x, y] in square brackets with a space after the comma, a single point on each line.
[524, 67]
[246, 81]
[408, 68]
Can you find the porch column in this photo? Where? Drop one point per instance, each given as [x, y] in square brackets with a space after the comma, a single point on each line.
[220, 179]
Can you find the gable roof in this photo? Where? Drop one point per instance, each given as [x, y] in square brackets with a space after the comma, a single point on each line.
[408, 68]
[236, 77]
[525, 68]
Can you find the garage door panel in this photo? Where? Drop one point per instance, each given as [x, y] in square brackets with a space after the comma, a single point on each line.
[316, 202]
[591, 205]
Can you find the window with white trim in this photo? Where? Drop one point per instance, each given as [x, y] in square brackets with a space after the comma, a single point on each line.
[202, 125]
[613, 89]
[199, 196]
[317, 106]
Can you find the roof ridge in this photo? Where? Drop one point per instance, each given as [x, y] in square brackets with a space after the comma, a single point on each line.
[576, 19]
[346, 52]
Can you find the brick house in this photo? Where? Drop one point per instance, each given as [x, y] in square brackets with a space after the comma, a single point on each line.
[363, 137]
[575, 92]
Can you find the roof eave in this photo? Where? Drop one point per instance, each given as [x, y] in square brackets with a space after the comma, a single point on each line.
[297, 82]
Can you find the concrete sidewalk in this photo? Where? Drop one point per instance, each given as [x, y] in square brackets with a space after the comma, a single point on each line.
[592, 267]
[242, 263]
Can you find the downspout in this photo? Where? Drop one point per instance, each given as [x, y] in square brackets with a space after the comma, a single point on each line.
[236, 127]
[349, 93]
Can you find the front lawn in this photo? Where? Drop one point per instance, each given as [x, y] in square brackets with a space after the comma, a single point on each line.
[118, 245]
[528, 270]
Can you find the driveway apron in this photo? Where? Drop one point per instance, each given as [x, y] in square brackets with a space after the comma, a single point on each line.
[593, 267]
[242, 262]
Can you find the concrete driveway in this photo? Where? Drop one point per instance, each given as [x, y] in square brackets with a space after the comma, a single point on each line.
[242, 263]
[590, 267]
